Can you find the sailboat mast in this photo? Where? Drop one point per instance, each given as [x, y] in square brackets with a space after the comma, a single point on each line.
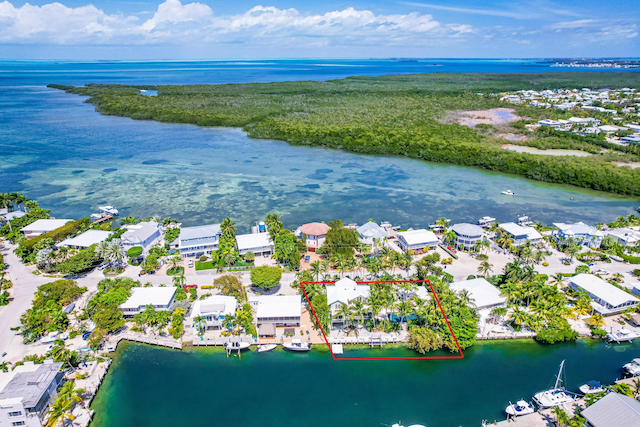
[558, 380]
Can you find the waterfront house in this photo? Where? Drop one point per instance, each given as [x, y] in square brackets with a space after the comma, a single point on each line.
[213, 309]
[86, 239]
[551, 123]
[624, 236]
[372, 234]
[613, 410]
[6, 216]
[582, 233]
[27, 391]
[520, 234]
[198, 241]
[483, 293]
[417, 240]
[316, 233]
[280, 310]
[345, 291]
[584, 121]
[467, 235]
[43, 226]
[606, 299]
[144, 234]
[258, 243]
[158, 297]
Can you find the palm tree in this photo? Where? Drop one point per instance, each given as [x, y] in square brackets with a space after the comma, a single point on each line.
[597, 320]
[59, 411]
[449, 236]
[274, 224]
[504, 240]
[484, 268]
[465, 298]
[316, 269]
[572, 251]
[358, 307]
[228, 228]
[175, 262]
[201, 323]
[344, 312]
[69, 393]
[562, 419]
[114, 251]
[443, 222]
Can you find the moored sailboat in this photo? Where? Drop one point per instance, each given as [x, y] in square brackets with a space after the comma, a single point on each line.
[555, 396]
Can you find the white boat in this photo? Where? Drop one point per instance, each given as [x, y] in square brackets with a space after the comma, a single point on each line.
[555, 396]
[521, 407]
[485, 220]
[95, 216]
[622, 335]
[109, 210]
[412, 425]
[297, 345]
[238, 345]
[508, 193]
[633, 367]
[524, 221]
[591, 387]
[263, 348]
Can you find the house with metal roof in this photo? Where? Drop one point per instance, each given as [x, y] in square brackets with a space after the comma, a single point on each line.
[467, 234]
[280, 310]
[613, 410]
[213, 309]
[371, 233]
[606, 299]
[258, 243]
[197, 241]
[520, 234]
[43, 226]
[86, 239]
[6, 216]
[315, 232]
[483, 293]
[144, 234]
[345, 291]
[624, 236]
[417, 240]
[27, 391]
[582, 233]
[158, 297]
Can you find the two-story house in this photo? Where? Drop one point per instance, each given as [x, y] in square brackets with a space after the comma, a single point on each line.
[197, 241]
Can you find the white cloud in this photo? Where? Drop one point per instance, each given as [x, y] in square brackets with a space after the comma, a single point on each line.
[572, 24]
[174, 22]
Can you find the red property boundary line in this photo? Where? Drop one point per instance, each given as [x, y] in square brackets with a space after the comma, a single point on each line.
[460, 356]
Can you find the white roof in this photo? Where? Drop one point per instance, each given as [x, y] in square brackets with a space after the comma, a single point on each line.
[250, 241]
[140, 232]
[465, 229]
[372, 229]
[417, 237]
[8, 216]
[217, 304]
[149, 296]
[483, 292]
[518, 230]
[346, 290]
[601, 289]
[277, 306]
[86, 239]
[578, 228]
[45, 225]
[627, 234]
[199, 231]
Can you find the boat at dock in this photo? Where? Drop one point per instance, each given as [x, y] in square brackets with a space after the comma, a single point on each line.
[521, 407]
[524, 221]
[109, 210]
[555, 396]
[633, 367]
[485, 221]
[238, 345]
[297, 345]
[622, 335]
[591, 387]
[263, 348]
[508, 193]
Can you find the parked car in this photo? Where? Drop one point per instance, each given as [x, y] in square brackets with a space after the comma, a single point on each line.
[602, 271]
[103, 265]
[190, 263]
[307, 258]
[452, 249]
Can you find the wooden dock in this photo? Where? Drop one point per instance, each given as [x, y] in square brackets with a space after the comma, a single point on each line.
[103, 218]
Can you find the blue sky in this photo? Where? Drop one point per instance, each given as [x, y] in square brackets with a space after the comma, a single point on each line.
[252, 29]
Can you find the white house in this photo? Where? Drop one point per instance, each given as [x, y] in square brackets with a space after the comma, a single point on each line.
[606, 298]
[6, 216]
[197, 241]
[584, 120]
[551, 123]
[371, 233]
[345, 291]
[27, 391]
[316, 233]
[611, 128]
[624, 236]
[417, 239]
[158, 297]
[467, 235]
[258, 243]
[213, 310]
[520, 234]
[144, 234]
[582, 233]
[86, 239]
[280, 310]
[483, 293]
[613, 410]
[42, 226]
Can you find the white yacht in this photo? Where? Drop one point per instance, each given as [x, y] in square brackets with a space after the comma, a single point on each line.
[297, 345]
[412, 425]
[95, 216]
[633, 367]
[591, 387]
[109, 210]
[555, 396]
[524, 221]
[238, 345]
[485, 220]
[263, 348]
[521, 407]
[622, 335]
[508, 193]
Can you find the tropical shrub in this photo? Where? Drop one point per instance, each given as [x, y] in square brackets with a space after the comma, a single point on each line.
[229, 285]
[134, 252]
[266, 277]
[558, 331]
[424, 339]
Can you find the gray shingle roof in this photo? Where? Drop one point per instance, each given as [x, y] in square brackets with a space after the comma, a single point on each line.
[614, 410]
[31, 385]
[199, 232]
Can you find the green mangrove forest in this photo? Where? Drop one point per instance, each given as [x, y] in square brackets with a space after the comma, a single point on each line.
[396, 115]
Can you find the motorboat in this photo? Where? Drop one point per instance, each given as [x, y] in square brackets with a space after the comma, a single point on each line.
[633, 367]
[524, 221]
[521, 407]
[237, 345]
[297, 345]
[485, 220]
[109, 210]
[412, 425]
[508, 193]
[591, 387]
[263, 348]
[95, 216]
[622, 335]
[555, 396]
